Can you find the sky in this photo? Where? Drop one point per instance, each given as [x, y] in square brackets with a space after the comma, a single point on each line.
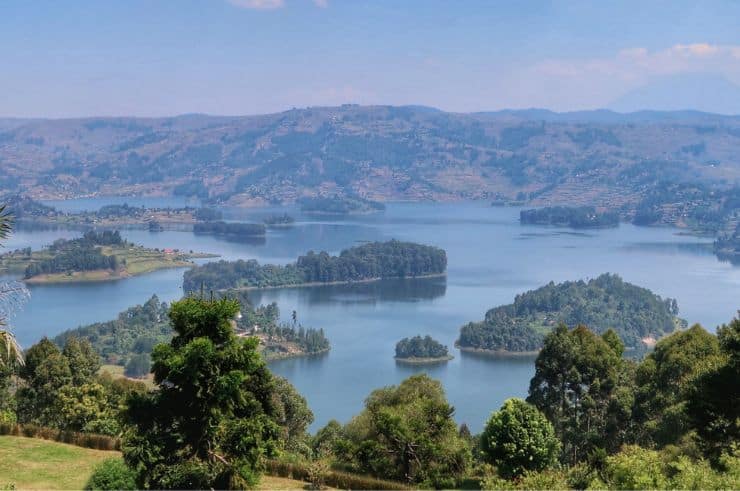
[164, 57]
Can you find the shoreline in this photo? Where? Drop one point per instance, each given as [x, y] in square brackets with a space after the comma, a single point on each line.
[330, 283]
[494, 353]
[287, 356]
[92, 275]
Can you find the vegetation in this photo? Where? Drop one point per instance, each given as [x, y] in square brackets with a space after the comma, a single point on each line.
[230, 228]
[212, 419]
[340, 205]
[420, 349]
[392, 259]
[111, 474]
[518, 438]
[405, 433]
[565, 216]
[279, 220]
[636, 314]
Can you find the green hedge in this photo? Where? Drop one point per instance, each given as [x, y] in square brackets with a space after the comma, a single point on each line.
[334, 479]
[87, 440]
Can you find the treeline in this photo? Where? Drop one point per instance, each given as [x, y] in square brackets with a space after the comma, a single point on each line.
[605, 302]
[565, 216]
[340, 205]
[421, 347]
[229, 228]
[277, 220]
[392, 259]
[309, 340]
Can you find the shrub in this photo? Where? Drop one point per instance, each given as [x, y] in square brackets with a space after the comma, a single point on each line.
[112, 474]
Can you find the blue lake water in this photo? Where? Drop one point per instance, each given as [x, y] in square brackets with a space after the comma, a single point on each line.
[491, 258]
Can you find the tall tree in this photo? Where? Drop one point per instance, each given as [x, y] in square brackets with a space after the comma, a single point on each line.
[12, 293]
[212, 418]
[575, 385]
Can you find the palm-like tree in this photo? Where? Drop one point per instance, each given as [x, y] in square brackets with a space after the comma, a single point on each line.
[12, 294]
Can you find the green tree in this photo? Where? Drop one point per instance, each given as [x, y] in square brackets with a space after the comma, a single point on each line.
[519, 438]
[84, 362]
[293, 415]
[713, 405]
[138, 366]
[576, 381]
[45, 372]
[85, 408]
[211, 421]
[407, 433]
[664, 380]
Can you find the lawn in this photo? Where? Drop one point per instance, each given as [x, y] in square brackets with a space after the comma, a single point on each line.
[30, 463]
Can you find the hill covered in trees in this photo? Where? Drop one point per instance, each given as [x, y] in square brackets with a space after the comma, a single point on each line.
[376, 260]
[636, 314]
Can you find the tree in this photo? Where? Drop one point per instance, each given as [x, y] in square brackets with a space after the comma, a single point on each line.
[211, 421]
[84, 362]
[85, 408]
[407, 433]
[576, 381]
[138, 366]
[293, 415]
[664, 380]
[713, 405]
[519, 438]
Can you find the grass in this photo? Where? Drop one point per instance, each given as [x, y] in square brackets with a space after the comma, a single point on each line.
[116, 371]
[30, 463]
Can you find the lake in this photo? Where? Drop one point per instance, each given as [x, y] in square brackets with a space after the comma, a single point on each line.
[491, 258]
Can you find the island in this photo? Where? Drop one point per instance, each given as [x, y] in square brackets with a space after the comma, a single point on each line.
[340, 205]
[636, 314]
[283, 220]
[128, 340]
[96, 256]
[418, 350]
[367, 262]
[569, 216]
[230, 229]
[727, 246]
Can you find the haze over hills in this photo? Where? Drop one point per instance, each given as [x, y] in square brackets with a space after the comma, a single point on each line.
[378, 152]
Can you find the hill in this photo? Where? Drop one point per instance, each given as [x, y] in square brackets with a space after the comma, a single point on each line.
[599, 158]
[636, 314]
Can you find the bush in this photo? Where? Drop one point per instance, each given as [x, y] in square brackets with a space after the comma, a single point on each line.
[112, 474]
[332, 478]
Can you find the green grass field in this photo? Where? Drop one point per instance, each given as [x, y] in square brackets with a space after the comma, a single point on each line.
[30, 463]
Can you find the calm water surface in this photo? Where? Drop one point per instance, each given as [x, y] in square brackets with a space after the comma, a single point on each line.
[491, 258]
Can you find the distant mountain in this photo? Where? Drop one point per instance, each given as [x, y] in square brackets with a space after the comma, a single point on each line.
[702, 92]
[599, 158]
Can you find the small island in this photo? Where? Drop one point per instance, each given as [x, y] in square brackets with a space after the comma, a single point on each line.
[636, 314]
[230, 229]
[127, 341]
[340, 205]
[567, 216]
[727, 246]
[283, 220]
[96, 256]
[368, 262]
[418, 350]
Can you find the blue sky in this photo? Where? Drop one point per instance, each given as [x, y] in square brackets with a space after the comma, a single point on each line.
[149, 58]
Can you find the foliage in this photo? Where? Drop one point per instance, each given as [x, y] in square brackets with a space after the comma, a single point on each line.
[276, 220]
[518, 438]
[566, 216]
[406, 433]
[338, 205]
[111, 474]
[293, 416]
[420, 347]
[576, 385]
[138, 366]
[392, 259]
[212, 419]
[713, 400]
[82, 254]
[601, 303]
[666, 378]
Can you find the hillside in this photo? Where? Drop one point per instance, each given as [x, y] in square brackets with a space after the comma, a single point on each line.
[380, 153]
[636, 314]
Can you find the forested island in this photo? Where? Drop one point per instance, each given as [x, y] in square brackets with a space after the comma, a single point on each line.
[421, 350]
[340, 205]
[727, 247]
[569, 216]
[637, 315]
[95, 256]
[129, 339]
[372, 261]
[283, 220]
[232, 229]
